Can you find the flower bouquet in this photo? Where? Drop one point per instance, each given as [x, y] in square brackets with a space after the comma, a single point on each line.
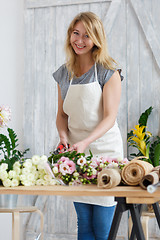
[75, 168]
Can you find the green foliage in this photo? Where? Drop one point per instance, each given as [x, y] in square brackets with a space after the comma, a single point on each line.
[152, 145]
[71, 155]
[8, 147]
[144, 117]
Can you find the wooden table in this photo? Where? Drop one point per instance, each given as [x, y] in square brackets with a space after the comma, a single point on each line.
[128, 198]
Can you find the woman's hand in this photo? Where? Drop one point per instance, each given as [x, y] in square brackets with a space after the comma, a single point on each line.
[79, 147]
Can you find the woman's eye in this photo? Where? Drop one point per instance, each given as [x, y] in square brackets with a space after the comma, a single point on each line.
[86, 36]
[76, 33]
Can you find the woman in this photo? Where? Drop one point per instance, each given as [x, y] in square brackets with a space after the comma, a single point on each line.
[89, 89]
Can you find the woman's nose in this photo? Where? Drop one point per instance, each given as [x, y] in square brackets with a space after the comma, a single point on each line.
[80, 39]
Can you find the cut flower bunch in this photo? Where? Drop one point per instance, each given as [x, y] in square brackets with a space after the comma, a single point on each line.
[75, 168]
[147, 145]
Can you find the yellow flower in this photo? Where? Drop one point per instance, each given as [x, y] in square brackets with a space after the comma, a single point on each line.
[138, 138]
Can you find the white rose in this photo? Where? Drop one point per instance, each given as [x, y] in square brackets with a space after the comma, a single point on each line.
[7, 183]
[75, 174]
[47, 177]
[3, 175]
[43, 159]
[53, 182]
[12, 174]
[27, 183]
[3, 166]
[23, 177]
[17, 170]
[94, 171]
[14, 183]
[27, 163]
[25, 171]
[39, 182]
[16, 165]
[35, 159]
[55, 170]
[30, 177]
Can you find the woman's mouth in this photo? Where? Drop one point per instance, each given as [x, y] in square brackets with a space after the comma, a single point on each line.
[79, 47]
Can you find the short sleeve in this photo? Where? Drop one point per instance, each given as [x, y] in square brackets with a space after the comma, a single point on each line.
[59, 74]
[61, 77]
[105, 74]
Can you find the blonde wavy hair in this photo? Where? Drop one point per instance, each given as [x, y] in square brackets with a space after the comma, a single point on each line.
[95, 30]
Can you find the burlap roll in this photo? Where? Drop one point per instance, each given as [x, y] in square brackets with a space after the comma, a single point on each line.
[135, 170]
[151, 178]
[109, 178]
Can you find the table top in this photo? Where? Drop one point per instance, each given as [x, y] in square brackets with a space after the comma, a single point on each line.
[133, 194]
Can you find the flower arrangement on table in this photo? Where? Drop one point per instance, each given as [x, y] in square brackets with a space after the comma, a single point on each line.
[147, 145]
[68, 168]
[75, 168]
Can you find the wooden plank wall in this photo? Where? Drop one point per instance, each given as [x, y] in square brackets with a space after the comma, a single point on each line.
[132, 41]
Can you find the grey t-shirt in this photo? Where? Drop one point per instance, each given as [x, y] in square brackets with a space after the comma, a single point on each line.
[61, 76]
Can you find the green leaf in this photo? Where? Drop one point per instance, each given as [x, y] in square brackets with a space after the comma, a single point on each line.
[156, 159]
[13, 138]
[144, 117]
[5, 145]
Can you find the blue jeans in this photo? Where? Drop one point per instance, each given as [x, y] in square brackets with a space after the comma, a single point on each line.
[94, 221]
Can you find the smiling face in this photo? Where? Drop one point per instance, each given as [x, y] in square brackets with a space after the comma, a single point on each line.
[80, 41]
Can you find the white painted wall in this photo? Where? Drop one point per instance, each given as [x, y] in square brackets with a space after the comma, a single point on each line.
[12, 76]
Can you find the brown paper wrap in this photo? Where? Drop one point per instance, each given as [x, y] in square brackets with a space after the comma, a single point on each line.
[151, 178]
[135, 170]
[109, 178]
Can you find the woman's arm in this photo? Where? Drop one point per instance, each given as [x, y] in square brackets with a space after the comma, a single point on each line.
[62, 121]
[111, 100]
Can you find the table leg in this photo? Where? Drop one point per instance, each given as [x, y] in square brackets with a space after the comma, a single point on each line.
[157, 212]
[136, 221]
[115, 223]
[15, 226]
[133, 234]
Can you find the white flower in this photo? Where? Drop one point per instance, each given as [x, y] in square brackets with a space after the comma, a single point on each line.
[53, 182]
[39, 182]
[25, 171]
[30, 177]
[7, 183]
[27, 183]
[27, 163]
[40, 166]
[94, 171]
[75, 174]
[55, 170]
[3, 175]
[12, 174]
[3, 166]
[43, 159]
[23, 177]
[81, 161]
[64, 168]
[17, 170]
[112, 165]
[101, 165]
[5, 115]
[47, 177]
[36, 174]
[33, 169]
[14, 182]
[94, 164]
[16, 165]
[35, 159]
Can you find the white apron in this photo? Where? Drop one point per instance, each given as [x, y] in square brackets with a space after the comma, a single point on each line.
[84, 107]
